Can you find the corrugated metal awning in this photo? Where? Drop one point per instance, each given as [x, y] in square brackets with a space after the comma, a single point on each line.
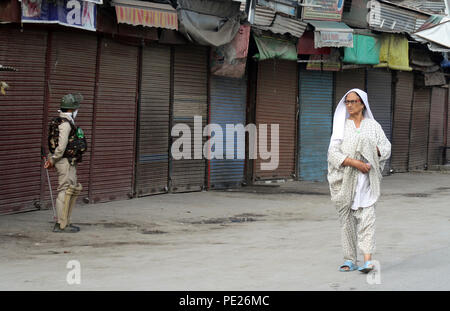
[331, 34]
[283, 25]
[395, 19]
[263, 16]
[329, 26]
[149, 14]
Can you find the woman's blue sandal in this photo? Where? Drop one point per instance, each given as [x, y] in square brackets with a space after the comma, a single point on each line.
[351, 266]
[368, 266]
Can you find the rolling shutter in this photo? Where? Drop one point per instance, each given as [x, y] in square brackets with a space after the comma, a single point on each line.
[447, 131]
[21, 119]
[152, 174]
[113, 147]
[228, 103]
[437, 125]
[72, 67]
[419, 129]
[276, 103]
[190, 99]
[402, 120]
[315, 123]
[379, 88]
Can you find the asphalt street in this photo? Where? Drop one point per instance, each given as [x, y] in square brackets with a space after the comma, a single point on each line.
[264, 237]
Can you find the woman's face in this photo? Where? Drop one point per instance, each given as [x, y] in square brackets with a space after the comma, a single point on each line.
[353, 104]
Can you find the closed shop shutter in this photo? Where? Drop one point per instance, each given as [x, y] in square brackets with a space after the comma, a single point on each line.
[347, 80]
[316, 100]
[21, 118]
[276, 103]
[402, 119]
[190, 99]
[447, 128]
[379, 90]
[72, 65]
[112, 166]
[228, 103]
[419, 129]
[437, 126]
[152, 172]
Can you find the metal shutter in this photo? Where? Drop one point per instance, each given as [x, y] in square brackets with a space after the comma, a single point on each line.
[447, 131]
[190, 99]
[152, 172]
[379, 90]
[21, 118]
[276, 103]
[437, 123]
[347, 80]
[228, 103]
[402, 118]
[315, 123]
[72, 65]
[114, 129]
[419, 129]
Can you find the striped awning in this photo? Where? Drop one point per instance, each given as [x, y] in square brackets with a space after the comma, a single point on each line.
[149, 14]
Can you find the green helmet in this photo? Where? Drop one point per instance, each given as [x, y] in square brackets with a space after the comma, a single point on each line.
[71, 101]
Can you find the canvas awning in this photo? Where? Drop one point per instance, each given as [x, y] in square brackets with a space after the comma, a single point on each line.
[212, 23]
[274, 48]
[365, 51]
[149, 14]
[331, 34]
[437, 34]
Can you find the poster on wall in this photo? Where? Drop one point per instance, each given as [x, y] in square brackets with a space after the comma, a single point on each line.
[71, 13]
[327, 10]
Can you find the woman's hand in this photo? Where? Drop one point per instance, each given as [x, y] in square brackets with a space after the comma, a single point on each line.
[359, 165]
[362, 167]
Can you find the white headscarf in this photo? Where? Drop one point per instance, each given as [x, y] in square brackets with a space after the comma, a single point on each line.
[341, 114]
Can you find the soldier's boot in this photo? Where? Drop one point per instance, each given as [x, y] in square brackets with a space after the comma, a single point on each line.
[59, 205]
[76, 192]
[65, 210]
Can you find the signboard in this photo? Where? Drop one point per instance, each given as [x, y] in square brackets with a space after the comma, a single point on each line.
[327, 10]
[333, 39]
[72, 13]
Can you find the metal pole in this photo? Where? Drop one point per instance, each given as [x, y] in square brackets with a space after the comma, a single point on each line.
[51, 194]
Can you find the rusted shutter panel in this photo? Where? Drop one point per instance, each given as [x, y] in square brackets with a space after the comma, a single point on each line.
[112, 167]
[437, 125]
[153, 144]
[419, 129]
[379, 91]
[276, 103]
[402, 119]
[21, 118]
[315, 121]
[72, 69]
[228, 102]
[347, 80]
[190, 99]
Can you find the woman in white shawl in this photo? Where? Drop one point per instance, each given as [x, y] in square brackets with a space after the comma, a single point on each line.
[356, 157]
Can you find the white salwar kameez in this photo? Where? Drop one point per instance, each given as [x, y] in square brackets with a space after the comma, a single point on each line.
[354, 193]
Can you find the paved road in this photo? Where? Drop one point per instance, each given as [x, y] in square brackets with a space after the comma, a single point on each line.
[282, 237]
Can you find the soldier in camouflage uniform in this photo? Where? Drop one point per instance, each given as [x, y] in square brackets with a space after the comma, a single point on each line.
[64, 157]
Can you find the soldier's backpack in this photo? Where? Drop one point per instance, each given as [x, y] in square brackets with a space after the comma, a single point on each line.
[76, 144]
